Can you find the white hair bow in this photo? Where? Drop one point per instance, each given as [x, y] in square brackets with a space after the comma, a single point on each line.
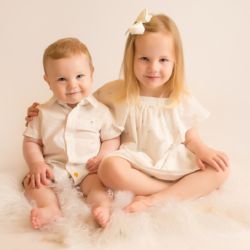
[138, 28]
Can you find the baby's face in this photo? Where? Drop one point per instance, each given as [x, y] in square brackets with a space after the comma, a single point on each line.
[70, 79]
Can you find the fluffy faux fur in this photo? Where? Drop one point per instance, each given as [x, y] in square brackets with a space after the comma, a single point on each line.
[218, 221]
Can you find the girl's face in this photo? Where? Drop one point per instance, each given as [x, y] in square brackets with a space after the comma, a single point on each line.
[70, 78]
[153, 62]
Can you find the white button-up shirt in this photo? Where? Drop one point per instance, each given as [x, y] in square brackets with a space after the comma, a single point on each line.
[70, 137]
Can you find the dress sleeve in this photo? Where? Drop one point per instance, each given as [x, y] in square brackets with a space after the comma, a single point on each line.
[187, 114]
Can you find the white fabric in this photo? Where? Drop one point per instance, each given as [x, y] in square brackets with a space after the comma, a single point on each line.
[153, 136]
[70, 137]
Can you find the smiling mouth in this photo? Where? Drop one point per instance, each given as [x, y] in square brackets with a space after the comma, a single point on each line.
[73, 93]
[152, 77]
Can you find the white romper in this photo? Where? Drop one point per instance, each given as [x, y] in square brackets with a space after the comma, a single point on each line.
[70, 137]
[153, 136]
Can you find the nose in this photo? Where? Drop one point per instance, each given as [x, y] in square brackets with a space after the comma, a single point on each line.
[154, 66]
[71, 84]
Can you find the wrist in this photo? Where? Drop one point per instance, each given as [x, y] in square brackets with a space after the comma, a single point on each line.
[37, 164]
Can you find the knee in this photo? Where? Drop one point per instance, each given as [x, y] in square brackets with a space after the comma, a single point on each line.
[106, 169]
[109, 172]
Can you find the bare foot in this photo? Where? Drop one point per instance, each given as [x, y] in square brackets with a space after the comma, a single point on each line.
[140, 203]
[40, 217]
[101, 215]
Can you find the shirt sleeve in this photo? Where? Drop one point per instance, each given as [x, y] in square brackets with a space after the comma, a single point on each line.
[109, 129]
[187, 114]
[33, 129]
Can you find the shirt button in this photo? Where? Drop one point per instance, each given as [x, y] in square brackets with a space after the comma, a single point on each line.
[76, 174]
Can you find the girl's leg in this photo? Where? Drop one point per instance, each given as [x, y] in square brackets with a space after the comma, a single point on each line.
[47, 210]
[98, 198]
[118, 174]
[190, 187]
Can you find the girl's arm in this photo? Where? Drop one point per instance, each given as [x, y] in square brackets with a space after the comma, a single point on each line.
[205, 155]
[40, 172]
[107, 146]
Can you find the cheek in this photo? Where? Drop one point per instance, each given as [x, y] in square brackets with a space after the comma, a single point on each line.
[58, 91]
[169, 71]
[138, 69]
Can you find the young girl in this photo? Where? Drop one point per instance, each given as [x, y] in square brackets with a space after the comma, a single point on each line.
[161, 156]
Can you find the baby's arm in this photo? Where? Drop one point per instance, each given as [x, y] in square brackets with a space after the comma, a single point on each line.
[205, 155]
[40, 172]
[107, 146]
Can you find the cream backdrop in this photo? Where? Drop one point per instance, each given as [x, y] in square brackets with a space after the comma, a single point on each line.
[216, 45]
[216, 42]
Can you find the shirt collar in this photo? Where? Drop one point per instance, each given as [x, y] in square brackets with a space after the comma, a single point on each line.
[85, 101]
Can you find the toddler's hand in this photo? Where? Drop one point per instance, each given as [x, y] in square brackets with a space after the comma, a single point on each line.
[213, 158]
[40, 174]
[31, 112]
[93, 164]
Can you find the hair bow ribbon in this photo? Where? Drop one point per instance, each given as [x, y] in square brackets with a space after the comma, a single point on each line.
[138, 28]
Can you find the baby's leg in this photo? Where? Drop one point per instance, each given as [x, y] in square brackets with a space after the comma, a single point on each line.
[117, 173]
[47, 210]
[190, 187]
[98, 198]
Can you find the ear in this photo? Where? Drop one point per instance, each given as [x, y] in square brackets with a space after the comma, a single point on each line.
[45, 77]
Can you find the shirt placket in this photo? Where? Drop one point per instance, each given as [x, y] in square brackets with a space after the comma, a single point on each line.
[70, 142]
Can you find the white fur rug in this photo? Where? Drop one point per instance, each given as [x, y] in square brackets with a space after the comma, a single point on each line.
[218, 221]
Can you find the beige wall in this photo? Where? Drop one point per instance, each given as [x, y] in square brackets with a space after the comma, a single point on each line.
[216, 44]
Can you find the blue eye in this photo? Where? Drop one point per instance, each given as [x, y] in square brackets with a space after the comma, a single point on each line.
[61, 79]
[79, 76]
[144, 58]
[164, 60]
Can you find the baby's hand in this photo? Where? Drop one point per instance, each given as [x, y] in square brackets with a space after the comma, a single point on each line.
[213, 158]
[31, 112]
[40, 174]
[93, 164]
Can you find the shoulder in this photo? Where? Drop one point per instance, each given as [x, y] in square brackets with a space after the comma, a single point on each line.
[97, 104]
[110, 86]
[48, 104]
[110, 90]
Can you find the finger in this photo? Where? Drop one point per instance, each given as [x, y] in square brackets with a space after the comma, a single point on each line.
[200, 164]
[44, 180]
[37, 180]
[215, 165]
[224, 155]
[93, 169]
[50, 174]
[224, 158]
[32, 181]
[221, 163]
[33, 113]
[33, 106]
[89, 165]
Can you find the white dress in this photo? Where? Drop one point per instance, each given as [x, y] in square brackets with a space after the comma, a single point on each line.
[153, 136]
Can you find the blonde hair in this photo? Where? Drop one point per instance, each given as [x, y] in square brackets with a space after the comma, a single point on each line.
[175, 85]
[66, 47]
